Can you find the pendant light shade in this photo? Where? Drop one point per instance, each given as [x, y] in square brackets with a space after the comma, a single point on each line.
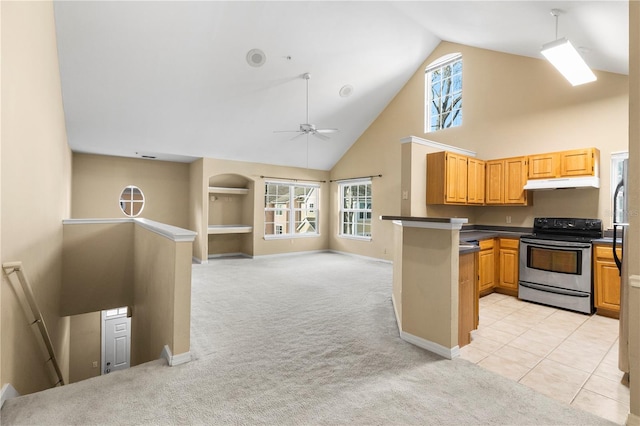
[566, 58]
[568, 61]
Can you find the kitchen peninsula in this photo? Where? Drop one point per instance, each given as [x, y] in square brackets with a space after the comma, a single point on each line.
[426, 281]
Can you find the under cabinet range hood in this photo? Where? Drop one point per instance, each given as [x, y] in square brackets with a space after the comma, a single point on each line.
[563, 183]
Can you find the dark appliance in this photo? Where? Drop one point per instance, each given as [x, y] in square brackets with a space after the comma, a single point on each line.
[555, 263]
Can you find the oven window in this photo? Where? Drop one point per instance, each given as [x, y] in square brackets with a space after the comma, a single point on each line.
[555, 260]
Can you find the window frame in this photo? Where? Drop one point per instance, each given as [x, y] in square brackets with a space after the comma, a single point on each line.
[439, 64]
[358, 212]
[291, 212]
[129, 200]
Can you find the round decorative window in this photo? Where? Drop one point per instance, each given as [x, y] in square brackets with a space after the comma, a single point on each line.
[131, 201]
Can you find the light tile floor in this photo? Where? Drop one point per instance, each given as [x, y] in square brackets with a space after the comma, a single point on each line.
[567, 356]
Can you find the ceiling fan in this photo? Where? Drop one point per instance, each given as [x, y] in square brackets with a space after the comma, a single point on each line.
[307, 128]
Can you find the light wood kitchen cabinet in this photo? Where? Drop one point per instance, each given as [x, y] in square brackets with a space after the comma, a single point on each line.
[475, 181]
[505, 180]
[579, 162]
[544, 166]
[508, 264]
[446, 178]
[573, 163]
[467, 298]
[486, 267]
[606, 280]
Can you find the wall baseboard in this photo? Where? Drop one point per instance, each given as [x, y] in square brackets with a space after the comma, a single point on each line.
[375, 259]
[395, 311]
[431, 346]
[222, 255]
[197, 261]
[633, 420]
[7, 393]
[174, 360]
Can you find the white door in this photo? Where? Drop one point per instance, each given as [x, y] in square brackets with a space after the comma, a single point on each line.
[116, 340]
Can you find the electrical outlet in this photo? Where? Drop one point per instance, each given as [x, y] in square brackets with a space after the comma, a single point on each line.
[405, 195]
[95, 364]
[508, 219]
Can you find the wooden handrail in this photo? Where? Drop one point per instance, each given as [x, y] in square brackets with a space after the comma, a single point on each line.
[11, 267]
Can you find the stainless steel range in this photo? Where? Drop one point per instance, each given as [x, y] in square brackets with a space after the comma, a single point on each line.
[555, 263]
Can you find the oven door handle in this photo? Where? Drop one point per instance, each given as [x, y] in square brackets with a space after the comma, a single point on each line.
[555, 290]
[555, 244]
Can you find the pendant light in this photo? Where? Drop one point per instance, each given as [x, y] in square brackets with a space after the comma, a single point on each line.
[566, 58]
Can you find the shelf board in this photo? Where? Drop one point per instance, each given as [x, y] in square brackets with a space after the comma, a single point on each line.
[226, 190]
[229, 229]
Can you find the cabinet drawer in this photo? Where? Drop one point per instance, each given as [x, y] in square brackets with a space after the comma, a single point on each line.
[486, 244]
[509, 243]
[605, 252]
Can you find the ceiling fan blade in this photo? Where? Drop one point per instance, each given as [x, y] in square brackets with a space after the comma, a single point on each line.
[286, 131]
[321, 136]
[327, 130]
[297, 136]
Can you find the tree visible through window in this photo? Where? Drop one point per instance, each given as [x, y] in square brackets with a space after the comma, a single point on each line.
[355, 209]
[443, 84]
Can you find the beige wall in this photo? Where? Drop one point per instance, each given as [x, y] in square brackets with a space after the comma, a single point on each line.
[98, 265]
[253, 206]
[162, 295]
[85, 347]
[513, 105]
[35, 192]
[98, 181]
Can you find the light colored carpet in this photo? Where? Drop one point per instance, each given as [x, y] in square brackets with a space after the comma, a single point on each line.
[302, 339]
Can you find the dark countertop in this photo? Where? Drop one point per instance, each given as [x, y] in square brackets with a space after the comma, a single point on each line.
[477, 235]
[607, 240]
[467, 250]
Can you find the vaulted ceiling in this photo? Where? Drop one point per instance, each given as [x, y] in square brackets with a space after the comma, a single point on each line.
[172, 80]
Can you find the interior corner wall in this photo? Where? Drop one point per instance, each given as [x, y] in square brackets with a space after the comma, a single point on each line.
[35, 191]
[98, 181]
[513, 106]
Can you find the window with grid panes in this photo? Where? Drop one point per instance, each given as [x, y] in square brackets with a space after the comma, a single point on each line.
[443, 86]
[291, 209]
[355, 209]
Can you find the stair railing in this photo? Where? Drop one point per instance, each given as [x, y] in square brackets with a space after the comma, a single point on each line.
[16, 267]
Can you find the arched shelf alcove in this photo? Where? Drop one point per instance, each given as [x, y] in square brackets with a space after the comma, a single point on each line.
[230, 216]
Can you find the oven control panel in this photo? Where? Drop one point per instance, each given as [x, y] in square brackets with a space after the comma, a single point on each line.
[556, 223]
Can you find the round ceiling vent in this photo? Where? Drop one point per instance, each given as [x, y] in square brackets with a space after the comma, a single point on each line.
[346, 90]
[256, 58]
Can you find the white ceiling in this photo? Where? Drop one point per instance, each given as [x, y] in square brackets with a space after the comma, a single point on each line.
[170, 79]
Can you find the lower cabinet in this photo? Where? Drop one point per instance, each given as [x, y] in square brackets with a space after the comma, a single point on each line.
[498, 263]
[606, 280]
[467, 298]
[486, 267]
[508, 264]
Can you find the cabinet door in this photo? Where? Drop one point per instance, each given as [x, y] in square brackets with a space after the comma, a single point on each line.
[606, 279]
[515, 177]
[475, 181]
[486, 266]
[544, 166]
[495, 182]
[456, 181]
[509, 263]
[467, 296]
[579, 162]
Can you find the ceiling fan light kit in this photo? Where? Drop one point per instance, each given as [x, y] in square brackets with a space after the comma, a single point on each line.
[307, 128]
[566, 58]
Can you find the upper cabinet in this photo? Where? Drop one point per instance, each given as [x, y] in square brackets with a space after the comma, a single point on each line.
[475, 181]
[505, 180]
[446, 178]
[577, 162]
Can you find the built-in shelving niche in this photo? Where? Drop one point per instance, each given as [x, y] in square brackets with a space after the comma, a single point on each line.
[231, 214]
